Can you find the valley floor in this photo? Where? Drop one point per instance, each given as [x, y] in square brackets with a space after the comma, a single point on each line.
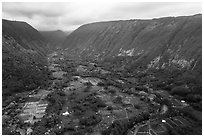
[85, 98]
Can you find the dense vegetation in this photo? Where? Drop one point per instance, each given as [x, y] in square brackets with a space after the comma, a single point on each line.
[183, 83]
[21, 72]
[24, 63]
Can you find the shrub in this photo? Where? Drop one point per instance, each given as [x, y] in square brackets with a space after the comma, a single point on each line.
[109, 108]
[180, 90]
[119, 127]
[86, 89]
[117, 100]
[193, 98]
[88, 84]
[197, 106]
[137, 106]
[112, 91]
[197, 89]
[167, 87]
[90, 120]
[100, 84]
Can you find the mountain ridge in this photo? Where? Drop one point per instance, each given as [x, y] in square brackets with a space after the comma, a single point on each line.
[27, 36]
[24, 53]
[171, 37]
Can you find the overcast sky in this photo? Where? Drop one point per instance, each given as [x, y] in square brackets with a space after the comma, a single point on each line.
[70, 15]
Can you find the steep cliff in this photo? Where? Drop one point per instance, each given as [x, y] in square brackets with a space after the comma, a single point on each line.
[23, 57]
[25, 35]
[156, 43]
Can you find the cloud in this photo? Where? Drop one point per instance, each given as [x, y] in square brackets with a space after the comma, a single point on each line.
[31, 9]
[71, 15]
[149, 10]
[75, 21]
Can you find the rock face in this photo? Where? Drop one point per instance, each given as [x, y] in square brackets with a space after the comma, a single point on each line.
[157, 43]
[55, 38]
[23, 57]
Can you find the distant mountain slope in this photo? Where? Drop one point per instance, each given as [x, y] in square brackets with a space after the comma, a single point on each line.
[23, 57]
[56, 38]
[156, 43]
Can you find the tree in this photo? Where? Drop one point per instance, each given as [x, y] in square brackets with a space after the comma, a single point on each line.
[117, 100]
[180, 90]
